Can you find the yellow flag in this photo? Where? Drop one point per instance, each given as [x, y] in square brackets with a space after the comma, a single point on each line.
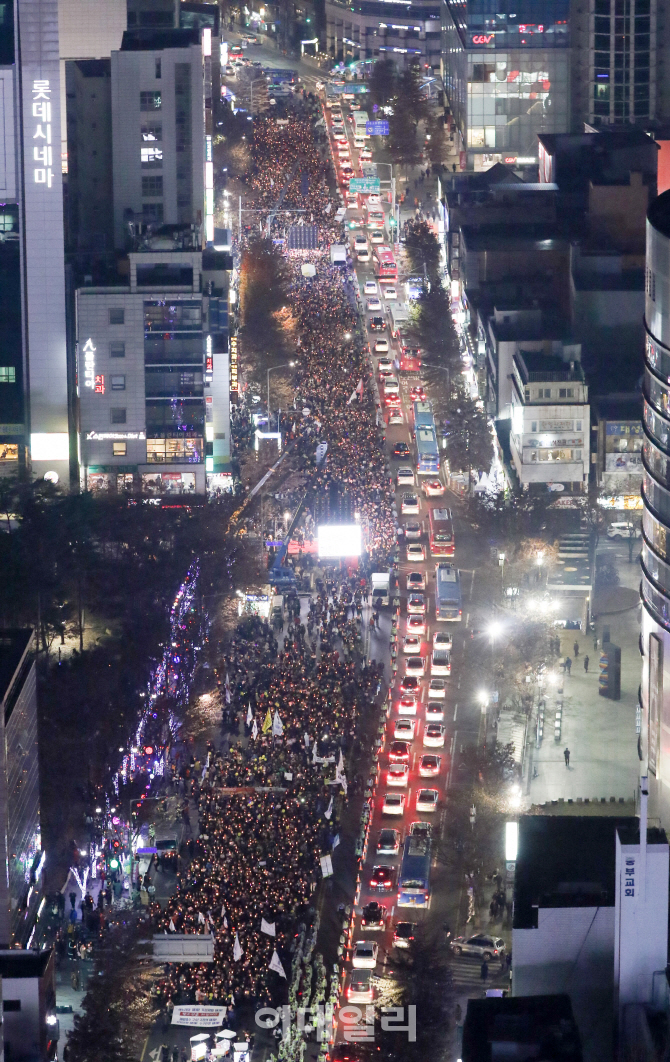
[267, 723]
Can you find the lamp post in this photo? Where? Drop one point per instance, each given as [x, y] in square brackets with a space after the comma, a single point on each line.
[286, 365]
[390, 166]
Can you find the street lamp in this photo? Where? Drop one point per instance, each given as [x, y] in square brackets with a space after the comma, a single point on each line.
[286, 365]
[390, 166]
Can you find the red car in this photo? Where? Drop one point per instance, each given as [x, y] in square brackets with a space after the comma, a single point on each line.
[382, 878]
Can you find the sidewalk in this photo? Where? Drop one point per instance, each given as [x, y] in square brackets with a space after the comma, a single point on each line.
[600, 733]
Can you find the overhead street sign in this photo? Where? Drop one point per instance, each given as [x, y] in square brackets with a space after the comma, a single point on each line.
[364, 184]
[184, 947]
[378, 128]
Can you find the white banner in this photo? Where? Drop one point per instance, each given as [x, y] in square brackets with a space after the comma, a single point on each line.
[200, 1016]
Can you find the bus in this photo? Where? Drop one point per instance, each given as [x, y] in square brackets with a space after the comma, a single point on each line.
[360, 121]
[386, 269]
[427, 454]
[414, 880]
[441, 533]
[374, 218]
[448, 604]
[399, 316]
[422, 415]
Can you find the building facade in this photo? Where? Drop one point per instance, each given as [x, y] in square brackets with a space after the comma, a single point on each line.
[506, 78]
[21, 855]
[550, 428]
[376, 29]
[162, 163]
[154, 380]
[655, 586]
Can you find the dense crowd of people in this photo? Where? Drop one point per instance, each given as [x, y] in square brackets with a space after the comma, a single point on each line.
[267, 804]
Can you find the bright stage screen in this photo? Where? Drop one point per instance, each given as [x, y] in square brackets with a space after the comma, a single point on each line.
[339, 540]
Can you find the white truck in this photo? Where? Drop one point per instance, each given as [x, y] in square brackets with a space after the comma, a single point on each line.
[381, 588]
[338, 254]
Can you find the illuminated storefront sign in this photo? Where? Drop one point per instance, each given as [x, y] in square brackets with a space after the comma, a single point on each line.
[89, 363]
[234, 385]
[99, 385]
[483, 38]
[209, 191]
[42, 151]
[115, 436]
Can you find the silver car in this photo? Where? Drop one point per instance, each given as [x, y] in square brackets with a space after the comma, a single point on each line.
[480, 945]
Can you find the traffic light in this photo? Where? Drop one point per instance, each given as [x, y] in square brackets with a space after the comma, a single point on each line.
[609, 680]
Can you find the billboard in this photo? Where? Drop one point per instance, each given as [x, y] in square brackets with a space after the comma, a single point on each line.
[339, 540]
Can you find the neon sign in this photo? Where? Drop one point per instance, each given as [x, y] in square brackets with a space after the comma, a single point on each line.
[42, 153]
[483, 38]
[89, 364]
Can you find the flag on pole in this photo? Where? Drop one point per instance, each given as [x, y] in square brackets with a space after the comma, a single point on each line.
[340, 762]
[225, 922]
[201, 918]
[277, 726]
[237, 949]
[275, 964]
[306, 741]
[172, 928]
[336, 841]
[359, 390]
[351, 397]
[254, 730]
[267, 722]
[250, 715]
[227, 695]
[268, 927]
[329, 810]
[227, 682]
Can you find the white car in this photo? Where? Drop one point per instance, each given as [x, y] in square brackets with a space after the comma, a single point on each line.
[370, 287]
[442, 640]
[377, 236]
[390, 294]
[393, 804]
[405, 477]
[373, 304]
[374, 199]
[385, 367]
[415, 551]
[359, 142]
[391, 385]
[416, 624]
[363, 255]
[365, 955]
[407, 705]
[360, 988]
[360, 242]
[410, 504]
[427, 799]
[395, 417]
[429, 766]
[416, 581]
[433, 488]
[413, 531]
[623, 530]
[434, 711]
[343, 150]
[416, 604]
[411, 645]
[339, 135]
[381, 346]
[398, 775]
[433, 735]
[440, 663]
[366, 155]
[415, 665]
[404, 729]
[437, 688]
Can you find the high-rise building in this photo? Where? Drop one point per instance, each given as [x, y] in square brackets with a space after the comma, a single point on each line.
[34, 429]
[385, 29]
[21, 855]
[506, 77]
[655, 587]
[154, 388]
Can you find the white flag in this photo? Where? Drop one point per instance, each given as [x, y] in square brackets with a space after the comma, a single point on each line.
[223, 910]
[254, 730]
[268, 927]
[225, 922]
[227, 695]
[329, 810]
[315, 758]
[172, 928]
[336, 841]
[306, 741]
[340, 763]
[227, 682]
[277, 726]
[237, 949]
[275, 964]
[201, 918]
[359, 390]
[351, 397]
[250, 715]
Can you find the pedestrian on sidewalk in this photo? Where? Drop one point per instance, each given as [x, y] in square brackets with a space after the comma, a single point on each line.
[568, 663]
[566, 756]
[484, 971]
[576, 649]
[586, 663]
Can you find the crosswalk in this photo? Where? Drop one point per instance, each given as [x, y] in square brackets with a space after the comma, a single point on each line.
[467, 976]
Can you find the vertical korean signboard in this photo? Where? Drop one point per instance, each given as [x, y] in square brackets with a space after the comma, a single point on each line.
[43, 269]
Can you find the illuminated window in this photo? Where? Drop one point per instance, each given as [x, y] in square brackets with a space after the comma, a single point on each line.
[150, 101]
[7, 374]
[151, 156]
[119, 449]
[152, 131]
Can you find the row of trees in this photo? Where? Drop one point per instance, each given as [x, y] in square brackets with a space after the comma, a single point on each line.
[409, 111]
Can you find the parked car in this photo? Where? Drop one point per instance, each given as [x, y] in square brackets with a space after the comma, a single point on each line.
[427, 800]
[623, 530]
[365, 955]
[433, 735]
[388, 843]
[394, 803]
[434, 710]
[397, 774]
[403, 934]
[415, 550]
[429, 766]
